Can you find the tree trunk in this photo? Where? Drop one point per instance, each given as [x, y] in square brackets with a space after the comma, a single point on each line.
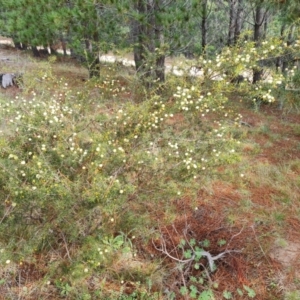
[289, 41]
[53, 51]
[92, 57]
[278, 63]
[35, 51]
[160, 69]
[94, 70]
[258, 28]
[140, 37]
[232, 22]
[158, 43]
[64, 47]
[258, 35]
[63, 41]
[238, 21]
[265, 26]
[204, 26]
[18, 45]
[148, 39]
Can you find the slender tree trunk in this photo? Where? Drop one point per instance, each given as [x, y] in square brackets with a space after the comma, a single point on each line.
[148, 39]
[232, 22]
[204, 25]
[158, 43]
[289, 41]
[258, 35]
[94, 70]
[238, 21]
[64, 45]
[35, 51]
[92, 57]
[258, 28]
[18, 45]
[63, 42]
[139, 29]
[278, 63]
[53, 49]
[266, 19]
[160, 68]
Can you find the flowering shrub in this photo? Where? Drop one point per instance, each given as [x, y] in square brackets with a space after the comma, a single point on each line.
[67, 171]
[231, 71]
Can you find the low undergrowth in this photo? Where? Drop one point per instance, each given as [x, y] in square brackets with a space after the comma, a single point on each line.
[110, 193]
[73, 164]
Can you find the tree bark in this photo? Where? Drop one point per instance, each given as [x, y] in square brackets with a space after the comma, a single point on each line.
[18, 45]
[94, 70]
[279, 60]
[35, 51]
[289, 41]
[92, 57]
[258, 35]
[265, 26]
[238, 21]
[148, 40]
[204, 26]
[258, 28]
[232, 22]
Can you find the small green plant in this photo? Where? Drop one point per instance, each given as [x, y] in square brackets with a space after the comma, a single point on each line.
[227, 295]
[64, 288]
[250, 292]
[206, 295]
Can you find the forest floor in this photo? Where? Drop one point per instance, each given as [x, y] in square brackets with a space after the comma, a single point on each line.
[263, 203]
[175, 65]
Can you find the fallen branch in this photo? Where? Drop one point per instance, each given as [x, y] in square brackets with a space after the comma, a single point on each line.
[291, 89]
[211, 259]
[164, 251]
[245, 123]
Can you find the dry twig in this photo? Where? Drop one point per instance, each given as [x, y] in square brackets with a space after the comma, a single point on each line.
[211, 259]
